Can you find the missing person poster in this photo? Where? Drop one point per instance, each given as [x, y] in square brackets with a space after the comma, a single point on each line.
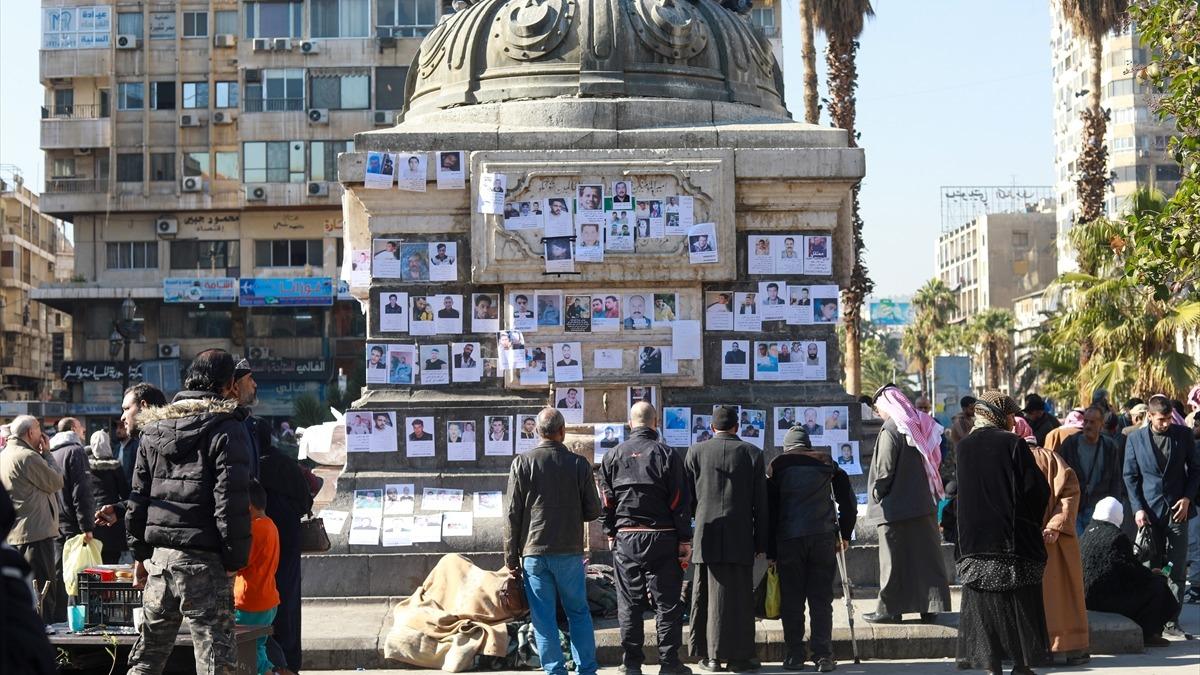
[451, 170]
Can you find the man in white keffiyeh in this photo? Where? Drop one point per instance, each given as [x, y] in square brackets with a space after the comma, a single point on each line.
[903, 489]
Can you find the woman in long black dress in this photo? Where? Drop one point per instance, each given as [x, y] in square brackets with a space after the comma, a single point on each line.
[1002, 496]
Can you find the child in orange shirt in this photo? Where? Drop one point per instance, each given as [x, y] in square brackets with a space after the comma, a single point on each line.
[255, 598]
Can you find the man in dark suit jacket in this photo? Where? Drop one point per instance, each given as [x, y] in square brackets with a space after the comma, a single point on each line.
[729, 496]
[1096, 460]
[735, 355]
[1162, 475]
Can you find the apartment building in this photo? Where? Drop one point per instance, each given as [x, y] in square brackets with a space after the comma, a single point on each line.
[193, 144]
[1136, 139]
[35, 338]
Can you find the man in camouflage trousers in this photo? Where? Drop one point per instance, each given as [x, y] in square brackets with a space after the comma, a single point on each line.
[189, 518]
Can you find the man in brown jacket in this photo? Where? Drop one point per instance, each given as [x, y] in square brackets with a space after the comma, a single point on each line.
[33, 480]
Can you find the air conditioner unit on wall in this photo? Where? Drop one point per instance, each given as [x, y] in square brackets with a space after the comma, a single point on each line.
[262, 44]
[256, 193]
[318, 189]
[128, 42]
[225, 40]
[165, 226]
[258, 353]
[318, 115]
[281, 45]
[192, 184]
[168, 350]
[223, 117]
[310, 47]
[384, 118]
[83, 152]
[189, 120]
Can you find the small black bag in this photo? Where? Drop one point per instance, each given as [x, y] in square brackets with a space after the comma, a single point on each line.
[313, 537]
[1145, 545]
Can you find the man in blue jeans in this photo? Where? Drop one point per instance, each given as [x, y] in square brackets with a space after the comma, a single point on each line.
[551, 494]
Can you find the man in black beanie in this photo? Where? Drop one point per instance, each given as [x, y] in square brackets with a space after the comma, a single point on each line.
[803, 541]
[729, 498]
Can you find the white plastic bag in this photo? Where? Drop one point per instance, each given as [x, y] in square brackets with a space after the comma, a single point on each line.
[78, 555]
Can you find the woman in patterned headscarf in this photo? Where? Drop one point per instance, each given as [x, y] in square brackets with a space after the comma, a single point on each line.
[1002, 500]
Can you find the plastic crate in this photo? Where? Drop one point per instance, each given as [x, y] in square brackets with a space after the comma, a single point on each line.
[108, 603]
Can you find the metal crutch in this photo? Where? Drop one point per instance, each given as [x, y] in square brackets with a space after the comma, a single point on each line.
[846, 586]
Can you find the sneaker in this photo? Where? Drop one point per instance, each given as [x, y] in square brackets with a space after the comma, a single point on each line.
[744, 666]
[793, 663]
[710, 665]
[674, 669]
[1173, 630]
[826, 665]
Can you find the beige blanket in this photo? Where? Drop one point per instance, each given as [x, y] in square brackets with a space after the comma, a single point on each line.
[452, 617]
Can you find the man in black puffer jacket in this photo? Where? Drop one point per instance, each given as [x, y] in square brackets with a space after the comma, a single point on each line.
[189, 517]
[806, 530]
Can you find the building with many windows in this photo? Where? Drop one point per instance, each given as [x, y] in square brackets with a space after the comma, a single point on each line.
[34, 338]
[194, 145]
[1137, 139]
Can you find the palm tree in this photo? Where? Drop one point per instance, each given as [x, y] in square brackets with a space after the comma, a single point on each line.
[808, 53]
[935, 299]
[917, 346]
[992, 330]
[842, 23]
[1091, 20]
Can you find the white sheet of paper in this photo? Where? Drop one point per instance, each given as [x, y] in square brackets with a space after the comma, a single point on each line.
[489, 504]
[451, 173]
[413, 171]
[397, 531]
[607, 359]
[676, 432]
[427, 529]
[335, 520]
[491, 192]
[381, 169]
[686, 342]
[457, 524]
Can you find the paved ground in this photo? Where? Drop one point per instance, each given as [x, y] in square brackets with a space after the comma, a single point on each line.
[348, 634]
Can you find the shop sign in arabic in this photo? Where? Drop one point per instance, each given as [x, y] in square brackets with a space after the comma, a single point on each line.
[306, 368]
[213, 289]
[98, 371]
[303, 291]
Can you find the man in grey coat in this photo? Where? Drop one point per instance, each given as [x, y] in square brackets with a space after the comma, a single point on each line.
[729, 496]
[33, 480]
[76, 506]
[912, 574]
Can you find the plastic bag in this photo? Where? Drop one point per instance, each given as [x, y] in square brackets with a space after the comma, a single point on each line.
[772, 601]
[78, 555]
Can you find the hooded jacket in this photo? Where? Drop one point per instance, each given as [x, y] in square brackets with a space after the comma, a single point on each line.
[191, 481]
[801, 487]
[76, 508]
[33, 481]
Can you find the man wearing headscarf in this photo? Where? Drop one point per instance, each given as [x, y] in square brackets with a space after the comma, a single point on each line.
[1114, 580]
[1072, 425]
[1137, 419]
[1062, 585]
[903, 489]
[109, 486]
[1002, 501]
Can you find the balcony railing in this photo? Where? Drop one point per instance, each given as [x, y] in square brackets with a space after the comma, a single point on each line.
[75, 111]
[76, 185]
[274, 104]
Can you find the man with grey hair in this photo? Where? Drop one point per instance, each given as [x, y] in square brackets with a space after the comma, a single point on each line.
[75, 505]
[649, 530]
[32, 480]
[551, 494]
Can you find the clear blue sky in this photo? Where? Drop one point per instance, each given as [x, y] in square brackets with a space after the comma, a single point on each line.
[951, 93]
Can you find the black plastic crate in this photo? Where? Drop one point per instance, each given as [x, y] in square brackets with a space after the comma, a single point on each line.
[108, 603]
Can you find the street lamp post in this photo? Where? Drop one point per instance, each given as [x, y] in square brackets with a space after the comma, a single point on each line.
[126, 329]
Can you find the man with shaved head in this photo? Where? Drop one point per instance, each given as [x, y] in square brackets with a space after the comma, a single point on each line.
[649, 531]
[551, 494]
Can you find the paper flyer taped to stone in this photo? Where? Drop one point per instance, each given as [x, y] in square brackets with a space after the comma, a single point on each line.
[606, 437]
[335, 520]
[686, 339]
[451, 170]
[380, 170]
[460, 441]
[485, 312]
[675, 426]
[457, 524]
[443, 261]
[718, 310]
[491, 191]
[498, 440]
[434, 367]
[413, 171]
[527, 438]
[607, 359]
[817, 258]
[735, 364]
[397, 531]
[399, 499]
[489, 504]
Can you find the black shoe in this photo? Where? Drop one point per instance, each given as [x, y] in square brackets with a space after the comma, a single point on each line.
[674, 669]
[629, 670]
[1023, 670]
[876, 617]
[793, 663]
[1156, 641]
[710, 665]
[929, 617]
[1192, 597]
[1173, 630]
[825, 665]
[1078, 659]
[744, 666]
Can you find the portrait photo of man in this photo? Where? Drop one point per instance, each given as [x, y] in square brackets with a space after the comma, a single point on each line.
[591, 197]
[418, 431]
[441, 257]
[735, 355]
[435, 361]
[621, 195]
[570, 401]
[466, 359]
[528, 427]
[393, 305]
[566, 359]
[448, 311]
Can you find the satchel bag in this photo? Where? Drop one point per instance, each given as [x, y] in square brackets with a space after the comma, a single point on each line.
[313, 537]
[1145, 545]
[512, 594]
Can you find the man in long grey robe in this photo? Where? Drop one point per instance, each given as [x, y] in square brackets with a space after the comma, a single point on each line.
[729, 491]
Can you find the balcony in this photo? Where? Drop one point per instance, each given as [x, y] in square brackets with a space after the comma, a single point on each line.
[71, 63]
[76, 126]
[64, 196]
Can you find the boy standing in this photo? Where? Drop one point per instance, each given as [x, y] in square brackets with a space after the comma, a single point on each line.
[255, 597]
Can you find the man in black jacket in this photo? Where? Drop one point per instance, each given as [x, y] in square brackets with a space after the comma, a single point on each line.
[649, 531]
[551, 494]
[137, 398]
[189, 518]
[729, 498]
[1097, 462]
[75, 504]
[803, 541]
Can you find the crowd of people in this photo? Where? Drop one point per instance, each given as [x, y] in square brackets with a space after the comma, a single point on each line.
[1037, 531]
[194, 493]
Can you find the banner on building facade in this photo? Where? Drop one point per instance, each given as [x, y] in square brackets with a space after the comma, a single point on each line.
[193, 290]
[278, 399]
[77, 27]
[317, 369]
[888, 312]
[303, 291]
[99, 371]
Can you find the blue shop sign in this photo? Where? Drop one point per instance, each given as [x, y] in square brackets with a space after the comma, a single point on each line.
[296, 292]
[193, 290]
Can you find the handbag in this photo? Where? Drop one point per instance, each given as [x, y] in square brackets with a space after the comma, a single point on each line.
[1145, 544]
[512, 594]
[313, 537]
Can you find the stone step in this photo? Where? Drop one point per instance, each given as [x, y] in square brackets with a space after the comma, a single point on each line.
[349, 633]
